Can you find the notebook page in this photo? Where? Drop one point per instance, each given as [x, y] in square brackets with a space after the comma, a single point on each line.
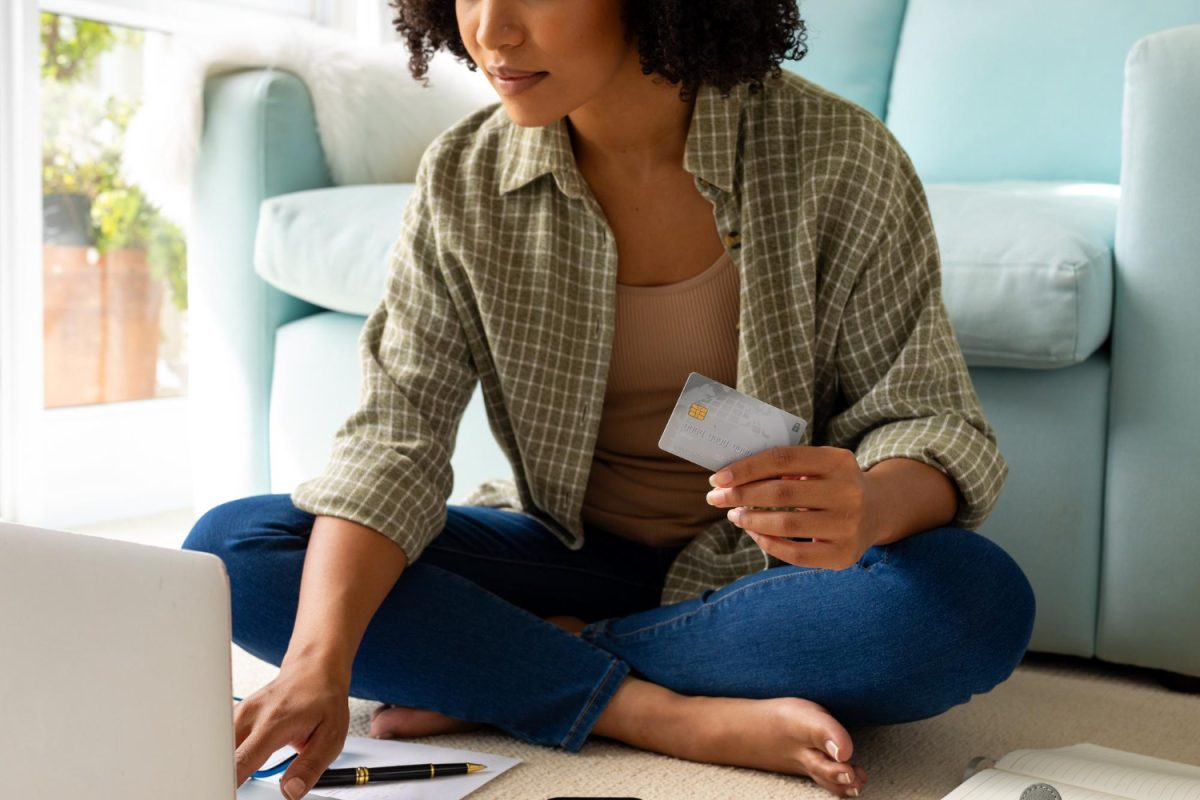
[1095, 752]
[995, 784]
[1077, 769]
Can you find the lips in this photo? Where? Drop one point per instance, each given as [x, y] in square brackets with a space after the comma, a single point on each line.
[504, 72]
[510, 87]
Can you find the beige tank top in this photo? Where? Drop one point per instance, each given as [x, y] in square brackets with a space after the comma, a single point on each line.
[635, 490]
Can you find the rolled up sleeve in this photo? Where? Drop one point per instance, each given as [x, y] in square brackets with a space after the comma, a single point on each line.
[903, 386]
[390, 464]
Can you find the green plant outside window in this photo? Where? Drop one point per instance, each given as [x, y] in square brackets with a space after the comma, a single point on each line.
[121, 216]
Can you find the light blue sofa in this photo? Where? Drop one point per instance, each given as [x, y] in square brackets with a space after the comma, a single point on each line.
[1060, 149]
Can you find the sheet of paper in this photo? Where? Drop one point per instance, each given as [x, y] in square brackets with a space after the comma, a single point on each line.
[1101, 769]
[1084, 772]
[995, 784]
[361, 751]
[264, 790]
[1108, 755]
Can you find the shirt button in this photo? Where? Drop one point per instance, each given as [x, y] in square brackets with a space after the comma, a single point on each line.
[733, 240]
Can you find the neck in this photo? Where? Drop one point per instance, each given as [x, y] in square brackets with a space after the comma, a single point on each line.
[635, 128]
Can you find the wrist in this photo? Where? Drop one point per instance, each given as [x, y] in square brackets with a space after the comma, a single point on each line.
[878, 530]
[907, 497]
[332, 663]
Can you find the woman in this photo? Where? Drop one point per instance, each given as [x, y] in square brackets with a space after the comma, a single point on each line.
[657, 198]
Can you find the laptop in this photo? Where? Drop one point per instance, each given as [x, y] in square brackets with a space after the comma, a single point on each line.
[115, 676]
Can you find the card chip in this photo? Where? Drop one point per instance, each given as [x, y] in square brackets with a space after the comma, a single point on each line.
[698, 411]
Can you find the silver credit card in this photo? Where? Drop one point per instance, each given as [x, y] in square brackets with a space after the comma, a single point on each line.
[714, 425]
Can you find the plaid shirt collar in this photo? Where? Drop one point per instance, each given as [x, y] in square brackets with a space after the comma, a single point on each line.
[710, 151]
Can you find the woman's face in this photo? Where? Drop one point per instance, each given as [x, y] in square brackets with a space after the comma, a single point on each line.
[579, 44]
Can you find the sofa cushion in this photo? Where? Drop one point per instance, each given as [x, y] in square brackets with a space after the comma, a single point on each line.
[1024, 89]
[1027, 266]
[315, 387]
[330, 246]
[851, 48]
[1027, 269]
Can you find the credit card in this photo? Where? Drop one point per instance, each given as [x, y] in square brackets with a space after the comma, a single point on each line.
[713, 424]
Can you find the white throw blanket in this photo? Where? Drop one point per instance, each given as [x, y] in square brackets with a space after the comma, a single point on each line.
[373, 119]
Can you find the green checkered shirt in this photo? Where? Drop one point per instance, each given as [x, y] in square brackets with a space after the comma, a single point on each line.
[504, 272]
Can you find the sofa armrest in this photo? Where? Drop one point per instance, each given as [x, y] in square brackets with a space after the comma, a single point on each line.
[259, 140]
[1149, 590]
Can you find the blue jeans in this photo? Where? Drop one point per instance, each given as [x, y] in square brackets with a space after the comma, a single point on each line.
[913, 628]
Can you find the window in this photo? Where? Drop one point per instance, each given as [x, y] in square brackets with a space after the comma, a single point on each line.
[114, 270]
[93, 279]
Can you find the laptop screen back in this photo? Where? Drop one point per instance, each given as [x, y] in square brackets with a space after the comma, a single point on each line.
[115, 675]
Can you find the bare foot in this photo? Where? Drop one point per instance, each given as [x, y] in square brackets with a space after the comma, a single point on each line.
[784, 734]
[399, 722]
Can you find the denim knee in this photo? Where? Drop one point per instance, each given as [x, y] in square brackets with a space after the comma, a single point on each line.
[1014, 604]
[215, 529]
[205, 535]
[999, 602]
[976, 637]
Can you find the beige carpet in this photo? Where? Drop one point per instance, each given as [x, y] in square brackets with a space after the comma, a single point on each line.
[1048, 702]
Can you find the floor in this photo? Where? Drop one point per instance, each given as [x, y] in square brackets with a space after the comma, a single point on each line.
[1049, 701]
[167, 529]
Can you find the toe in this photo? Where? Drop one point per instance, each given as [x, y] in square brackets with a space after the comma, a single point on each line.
[833, 740]
[815, 726]
[833, 788]
[828, 774]
[844, 776]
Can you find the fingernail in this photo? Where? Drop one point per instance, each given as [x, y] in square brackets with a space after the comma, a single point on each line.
[294, 789]
[852, 792]
[735, 516]
[715, 496]
[844, 777]
[832, 747]
[721, 477]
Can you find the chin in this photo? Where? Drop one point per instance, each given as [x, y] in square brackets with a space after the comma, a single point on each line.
[528, 118]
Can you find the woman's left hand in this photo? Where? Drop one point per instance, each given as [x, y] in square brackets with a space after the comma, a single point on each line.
[824, 495]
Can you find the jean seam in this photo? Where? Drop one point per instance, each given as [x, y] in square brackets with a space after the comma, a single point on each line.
[614, 666]
[521, 562]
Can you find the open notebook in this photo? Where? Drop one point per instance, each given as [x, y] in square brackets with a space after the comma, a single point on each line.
[1083, 772]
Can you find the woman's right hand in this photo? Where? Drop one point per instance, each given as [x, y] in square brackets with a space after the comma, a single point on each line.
[348, 570]
[305, 706]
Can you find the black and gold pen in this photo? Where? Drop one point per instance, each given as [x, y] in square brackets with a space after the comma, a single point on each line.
[357, 776]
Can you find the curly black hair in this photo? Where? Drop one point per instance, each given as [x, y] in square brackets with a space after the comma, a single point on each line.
[690, 42]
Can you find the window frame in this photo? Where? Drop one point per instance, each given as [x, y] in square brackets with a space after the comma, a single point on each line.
[182, 16]
[21, 395]
[110, 460]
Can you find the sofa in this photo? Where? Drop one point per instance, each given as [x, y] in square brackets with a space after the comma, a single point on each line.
[1060, 153]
